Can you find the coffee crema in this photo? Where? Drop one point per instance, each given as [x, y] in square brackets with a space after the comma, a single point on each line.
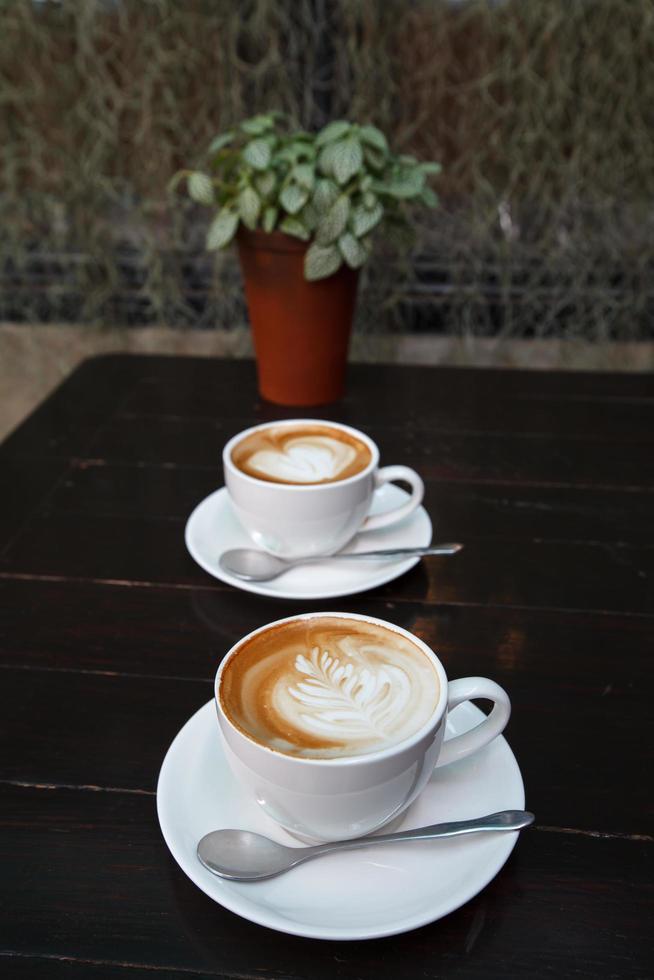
[329, 687]
[302, 454]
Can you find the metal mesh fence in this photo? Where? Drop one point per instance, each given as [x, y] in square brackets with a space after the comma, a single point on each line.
[541, 112]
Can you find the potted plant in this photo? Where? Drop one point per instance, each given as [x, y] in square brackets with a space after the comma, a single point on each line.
[303, 208]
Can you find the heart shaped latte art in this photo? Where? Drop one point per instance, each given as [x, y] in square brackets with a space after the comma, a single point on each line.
[304, 460]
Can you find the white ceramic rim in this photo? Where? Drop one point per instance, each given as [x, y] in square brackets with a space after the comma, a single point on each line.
[342, 761]
[301, 487]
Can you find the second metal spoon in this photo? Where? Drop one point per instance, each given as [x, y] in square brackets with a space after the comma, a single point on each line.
[252, 565]
[240, 855]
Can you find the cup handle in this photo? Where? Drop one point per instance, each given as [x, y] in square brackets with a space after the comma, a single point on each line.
[387, 474]
[465, 689]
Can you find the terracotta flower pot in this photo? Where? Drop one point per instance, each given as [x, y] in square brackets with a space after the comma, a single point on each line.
[301, 329]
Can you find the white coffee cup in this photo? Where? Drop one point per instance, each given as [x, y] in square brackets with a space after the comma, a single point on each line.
[295, 520]
[328, 799]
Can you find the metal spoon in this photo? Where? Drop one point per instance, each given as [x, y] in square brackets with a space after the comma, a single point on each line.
[259, 566]
[243, 856]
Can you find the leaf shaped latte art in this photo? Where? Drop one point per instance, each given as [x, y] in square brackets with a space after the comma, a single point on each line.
[341, 701]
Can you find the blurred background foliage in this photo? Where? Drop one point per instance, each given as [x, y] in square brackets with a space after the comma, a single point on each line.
[541, 112]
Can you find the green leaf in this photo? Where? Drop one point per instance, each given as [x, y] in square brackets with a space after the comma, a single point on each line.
[306, 151]
[430, 168]
[304, 175]
[288, 154]
[364, 220]
[257, 153]
[349, 160]
[222, 229]
[270, 218]
[223, 139]
[403, 185]
[369, 200]
[374, 137]
[333, 131]
[200, 188]
[249, 206]
[409, 183]
[257, 125]
[324, 196]
[293, 226]
[375, 159]
[428, 197]
[352, 250]
[327, 159]
[296, 151]
[309, 216]
[333, 224]
[265, 183]
[293, 198]
[321, 262]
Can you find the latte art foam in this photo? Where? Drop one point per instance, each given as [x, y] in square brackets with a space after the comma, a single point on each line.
[301, 454]
[328, 687]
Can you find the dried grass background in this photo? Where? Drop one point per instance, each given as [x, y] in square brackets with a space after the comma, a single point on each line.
[541, 111]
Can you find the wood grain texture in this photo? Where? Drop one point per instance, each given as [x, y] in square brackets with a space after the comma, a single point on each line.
[110, 637]
[24, 488]
[563, 403]
[614, 577]
[498, 398]
[551, 458]
[102, 488]
[112, 886]
[66, 421]
[52, 967]
[160, 632]
[109, 719]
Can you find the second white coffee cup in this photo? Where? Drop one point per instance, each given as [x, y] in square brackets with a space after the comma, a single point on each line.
[295, 520]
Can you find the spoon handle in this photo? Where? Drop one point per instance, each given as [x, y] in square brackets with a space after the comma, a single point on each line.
[437, 549]
[503, 820]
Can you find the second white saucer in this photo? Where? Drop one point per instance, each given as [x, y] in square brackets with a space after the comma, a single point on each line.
[213, 528]
[354, 894]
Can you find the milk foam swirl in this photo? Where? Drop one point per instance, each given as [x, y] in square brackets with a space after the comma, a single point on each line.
[329, 686]
[343, 702]
[305, 459]
[301, 454]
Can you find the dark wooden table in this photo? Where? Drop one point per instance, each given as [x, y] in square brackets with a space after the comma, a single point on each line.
[110, 637]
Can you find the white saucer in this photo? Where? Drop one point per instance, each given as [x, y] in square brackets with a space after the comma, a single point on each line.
[377, 891]
[213, 528]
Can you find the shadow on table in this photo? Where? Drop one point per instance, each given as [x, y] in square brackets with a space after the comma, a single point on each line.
[232, 614]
